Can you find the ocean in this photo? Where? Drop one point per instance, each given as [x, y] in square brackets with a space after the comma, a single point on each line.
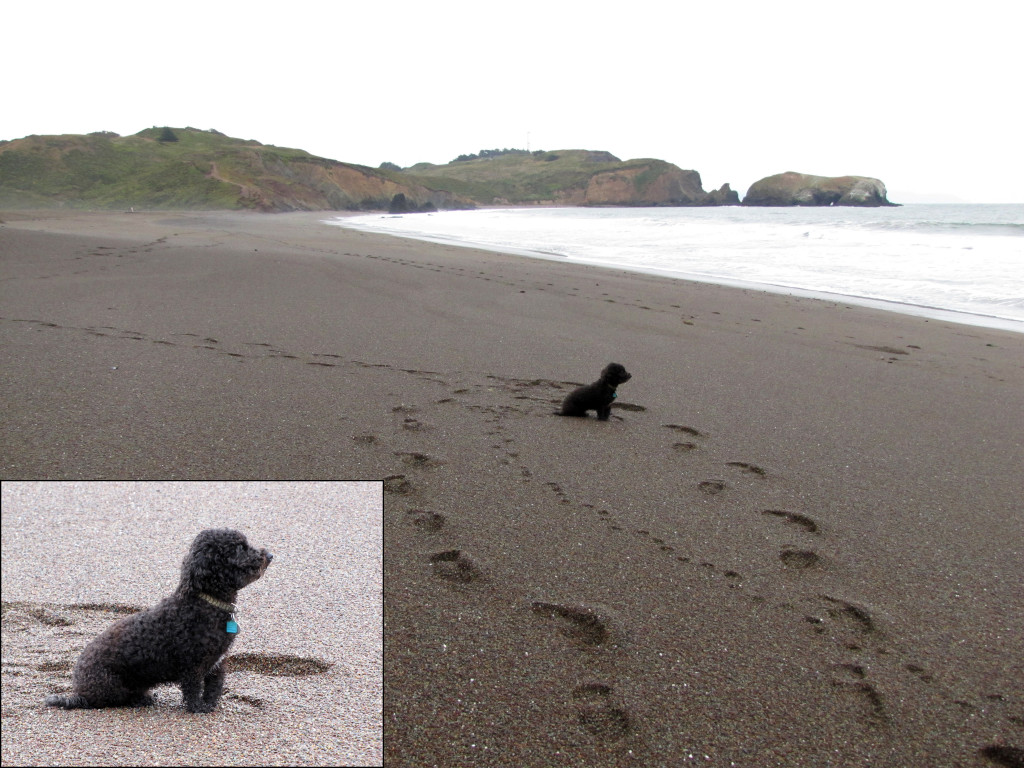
[959, 262]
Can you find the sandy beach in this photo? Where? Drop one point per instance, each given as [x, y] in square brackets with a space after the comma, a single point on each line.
[799, 540]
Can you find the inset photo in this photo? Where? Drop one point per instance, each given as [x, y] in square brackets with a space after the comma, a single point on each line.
[140, 617]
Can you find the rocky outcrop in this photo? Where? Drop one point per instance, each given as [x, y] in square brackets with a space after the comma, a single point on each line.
[645, 183]
[793, 188]
[725, 195]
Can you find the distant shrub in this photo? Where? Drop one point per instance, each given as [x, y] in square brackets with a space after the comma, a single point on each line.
[385, 166]
[486, 154]
[166, 135]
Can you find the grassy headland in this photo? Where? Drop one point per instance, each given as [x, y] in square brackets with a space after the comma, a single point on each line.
[190, 168]
[195, 169]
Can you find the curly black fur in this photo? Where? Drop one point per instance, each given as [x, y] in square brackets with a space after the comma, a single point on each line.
[180, 640]
[597, 396]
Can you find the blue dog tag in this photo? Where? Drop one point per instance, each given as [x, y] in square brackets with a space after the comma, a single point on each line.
[232, 628]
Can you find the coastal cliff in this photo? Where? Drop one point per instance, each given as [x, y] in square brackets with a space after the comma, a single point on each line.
[793, 188]
[574, 177]
[190, 168]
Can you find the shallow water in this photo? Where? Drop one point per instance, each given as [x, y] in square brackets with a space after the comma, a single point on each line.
[922, 259]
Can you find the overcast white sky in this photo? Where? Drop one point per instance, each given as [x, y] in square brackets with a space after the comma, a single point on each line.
[925, 96]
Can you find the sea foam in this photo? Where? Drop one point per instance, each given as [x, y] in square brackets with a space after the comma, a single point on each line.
[960, 262]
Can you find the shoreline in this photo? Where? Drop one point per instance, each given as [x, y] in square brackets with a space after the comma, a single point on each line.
[903, 307]
[796, 541]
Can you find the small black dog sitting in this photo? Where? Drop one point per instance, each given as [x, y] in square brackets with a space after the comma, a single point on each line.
[597, 396]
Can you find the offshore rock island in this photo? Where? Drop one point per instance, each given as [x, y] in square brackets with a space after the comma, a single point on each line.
[165, 168]
[793, 188]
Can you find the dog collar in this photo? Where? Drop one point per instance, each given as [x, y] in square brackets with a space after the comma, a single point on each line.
[229, 607]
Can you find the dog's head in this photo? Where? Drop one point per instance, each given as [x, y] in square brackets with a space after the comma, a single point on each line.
[220, 561]
[615, 374]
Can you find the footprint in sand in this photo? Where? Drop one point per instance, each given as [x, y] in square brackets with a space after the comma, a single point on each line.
[431, 522]
[867, 698]
[397, 484]
[598, 714]
[850, 678]
[456, 565]
[854, 616]
[417, 459]
[796, 518]
[577, 622]
[711, 487]
[799, 559]
[628, 407]
[685, 430]
[887, 350]
[1004, 755]
[752, 468]
[920, 671]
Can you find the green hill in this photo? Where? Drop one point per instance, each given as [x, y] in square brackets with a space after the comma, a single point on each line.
[190, 168]
[565, 177]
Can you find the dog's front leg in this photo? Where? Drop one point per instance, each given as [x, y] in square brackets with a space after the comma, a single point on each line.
[214, 682]
[192, 694]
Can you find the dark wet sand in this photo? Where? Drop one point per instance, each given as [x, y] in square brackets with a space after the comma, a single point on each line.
[798, 541]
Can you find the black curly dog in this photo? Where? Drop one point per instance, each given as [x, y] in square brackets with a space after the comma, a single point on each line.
[597, 396]
[181, 640]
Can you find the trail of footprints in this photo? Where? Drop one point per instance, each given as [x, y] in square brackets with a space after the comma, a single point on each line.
[598, 710]
[241, 352]
[599, 713]
[849, 628]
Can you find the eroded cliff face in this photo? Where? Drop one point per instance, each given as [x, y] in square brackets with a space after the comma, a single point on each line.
[276, 185]
[793, 188]
[657, 184]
